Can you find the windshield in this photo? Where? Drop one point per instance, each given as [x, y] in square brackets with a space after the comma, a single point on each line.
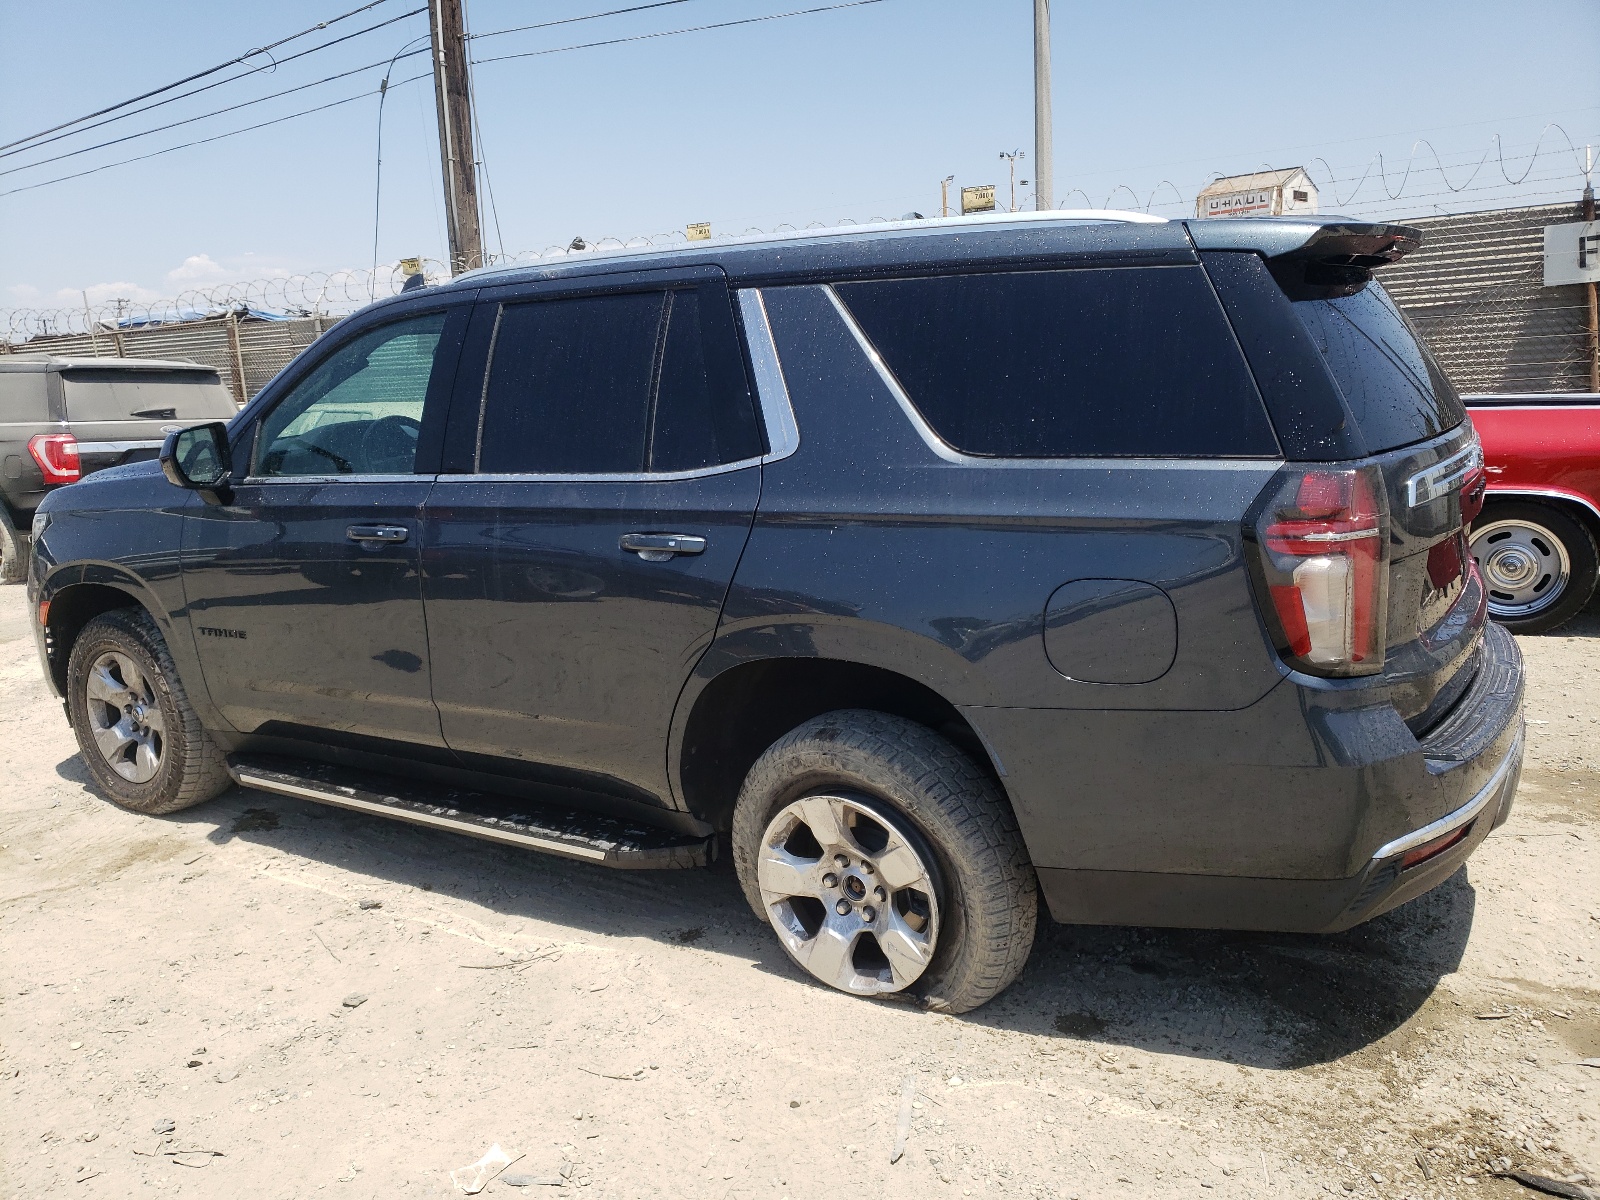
[1394, 388]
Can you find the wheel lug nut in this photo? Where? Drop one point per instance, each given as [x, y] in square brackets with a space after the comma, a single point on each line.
[880, 893]
[830, 880]
[869, 914]
[866, 867]
[842, 908]
[842, 860]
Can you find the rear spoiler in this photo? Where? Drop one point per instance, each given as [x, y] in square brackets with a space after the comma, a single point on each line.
[1335, 252]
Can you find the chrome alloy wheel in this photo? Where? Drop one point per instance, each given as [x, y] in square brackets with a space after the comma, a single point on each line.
[125, 717]
[849, 894]
[1524, 565]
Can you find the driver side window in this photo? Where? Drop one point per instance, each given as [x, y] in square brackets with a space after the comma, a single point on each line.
[359, 412]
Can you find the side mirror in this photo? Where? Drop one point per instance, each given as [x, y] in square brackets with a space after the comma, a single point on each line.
[198, 459]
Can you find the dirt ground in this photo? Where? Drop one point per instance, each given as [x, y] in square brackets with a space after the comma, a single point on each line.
[334, 1004]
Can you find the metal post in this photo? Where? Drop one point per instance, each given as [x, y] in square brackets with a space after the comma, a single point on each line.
[453, 98]
[1044, 171]
[944, 195]
[238, 359]
[1594, 306]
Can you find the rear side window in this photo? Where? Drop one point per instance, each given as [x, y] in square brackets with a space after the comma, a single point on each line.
[98, 394]
[600, 385]
[22, 396]
[703, 412]
[568, 391]
[1394, 389]
[1132, 362]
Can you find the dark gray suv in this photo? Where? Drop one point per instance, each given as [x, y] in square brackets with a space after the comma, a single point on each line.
[933, 567]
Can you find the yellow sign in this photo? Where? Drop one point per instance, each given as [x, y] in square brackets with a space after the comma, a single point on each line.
[411, 266]
[978, 199]
[698, 232]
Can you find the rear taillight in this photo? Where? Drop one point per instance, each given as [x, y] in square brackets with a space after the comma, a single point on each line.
[57, 456]
[1323, 559]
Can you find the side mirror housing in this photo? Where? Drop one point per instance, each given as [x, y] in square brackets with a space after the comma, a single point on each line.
[198, 459]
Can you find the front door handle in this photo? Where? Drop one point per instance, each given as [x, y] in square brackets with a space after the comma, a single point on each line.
[659, 547]
[377, 533]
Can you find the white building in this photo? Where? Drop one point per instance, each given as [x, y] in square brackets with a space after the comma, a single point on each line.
[1263, 194]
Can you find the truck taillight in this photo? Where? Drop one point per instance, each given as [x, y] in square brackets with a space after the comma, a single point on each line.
[1324, 563]
[57, 456]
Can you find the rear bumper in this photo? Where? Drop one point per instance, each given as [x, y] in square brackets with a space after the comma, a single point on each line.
[1287, 816]
[1293, 905]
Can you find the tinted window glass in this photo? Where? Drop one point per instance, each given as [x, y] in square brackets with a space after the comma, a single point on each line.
[359, 411]
[568, 391]
[109, 395]
[1056, 364]
[703, 413]
[1394, 389]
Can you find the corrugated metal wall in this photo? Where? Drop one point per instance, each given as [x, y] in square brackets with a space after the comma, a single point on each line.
[265, 347]
[1475, 289]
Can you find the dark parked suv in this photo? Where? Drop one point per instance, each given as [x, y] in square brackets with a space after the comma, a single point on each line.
[935, 565]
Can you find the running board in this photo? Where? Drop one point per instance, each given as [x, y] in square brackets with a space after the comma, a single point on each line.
[587, 836]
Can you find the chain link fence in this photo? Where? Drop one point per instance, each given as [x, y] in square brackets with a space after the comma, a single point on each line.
[1476, 291]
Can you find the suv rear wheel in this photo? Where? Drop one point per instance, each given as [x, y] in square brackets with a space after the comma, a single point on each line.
[1539, 564]
[140, 737]
[886, 861]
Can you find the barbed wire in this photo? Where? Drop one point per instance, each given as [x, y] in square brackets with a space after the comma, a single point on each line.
[336, 293]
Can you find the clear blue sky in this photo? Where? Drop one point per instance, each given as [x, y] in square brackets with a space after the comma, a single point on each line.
[850, 114]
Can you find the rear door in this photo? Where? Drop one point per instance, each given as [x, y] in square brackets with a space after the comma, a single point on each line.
[303, 586]
[121, 414]
[575, 564]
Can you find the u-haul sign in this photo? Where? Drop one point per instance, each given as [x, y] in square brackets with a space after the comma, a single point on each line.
[1255, 202]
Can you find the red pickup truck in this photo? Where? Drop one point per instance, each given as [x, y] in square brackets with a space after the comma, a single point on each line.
[1535, 539]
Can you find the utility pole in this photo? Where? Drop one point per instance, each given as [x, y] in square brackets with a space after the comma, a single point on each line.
[454, 99]
[1013, 156]
[1594, 306]
[944, 195]
[1044, 173]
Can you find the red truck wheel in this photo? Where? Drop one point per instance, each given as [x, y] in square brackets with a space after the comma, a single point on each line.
[1539, 564]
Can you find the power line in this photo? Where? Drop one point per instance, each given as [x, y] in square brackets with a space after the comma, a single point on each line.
[615, 12]
[205, 116]
[7, 153]
[530, 54]
[121, 162]
[644, 37]
[167, 87]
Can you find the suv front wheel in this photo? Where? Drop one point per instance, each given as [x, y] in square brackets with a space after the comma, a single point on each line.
[140, 737]
[886, 861]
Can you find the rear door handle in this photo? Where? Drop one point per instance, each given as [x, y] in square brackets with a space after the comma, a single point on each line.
[377, 533]
[658, 547]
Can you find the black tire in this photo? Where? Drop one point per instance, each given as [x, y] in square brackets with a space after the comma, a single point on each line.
[190, 765]
[1573, 541]
[950, 809]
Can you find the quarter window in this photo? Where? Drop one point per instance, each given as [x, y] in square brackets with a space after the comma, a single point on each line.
[1129, 361]
[359, 412]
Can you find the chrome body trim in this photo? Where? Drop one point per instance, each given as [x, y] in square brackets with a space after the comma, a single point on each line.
[117, 447]
[1470, 811]
[248, 778]
[251, 480]
[1544, 494]
[955, 457]
[777, 413]
[1438, 480]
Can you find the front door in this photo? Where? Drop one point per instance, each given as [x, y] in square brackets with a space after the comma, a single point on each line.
[304, 586]
[575, 574]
